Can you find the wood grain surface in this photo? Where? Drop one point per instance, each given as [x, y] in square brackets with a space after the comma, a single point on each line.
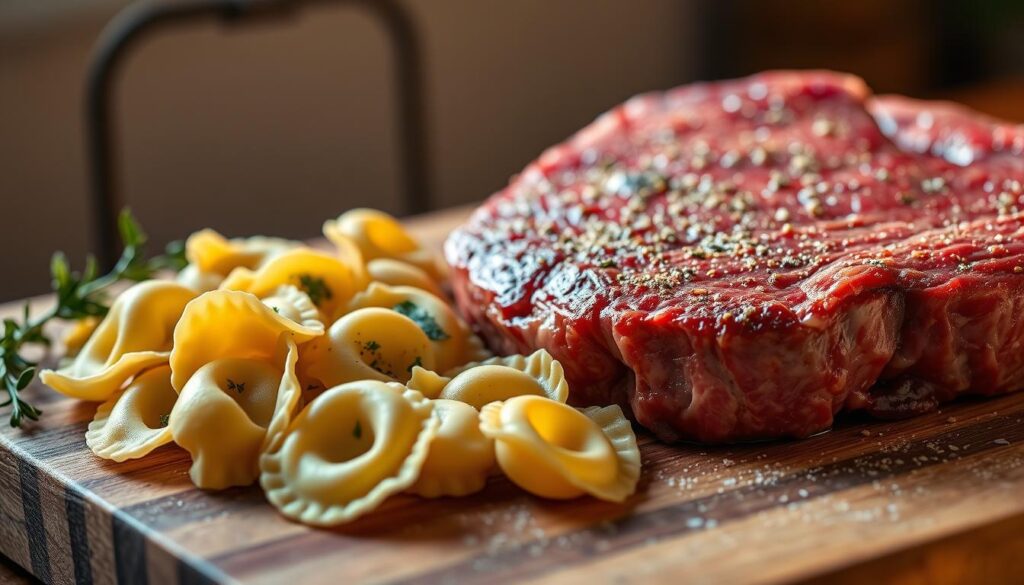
[936, 499]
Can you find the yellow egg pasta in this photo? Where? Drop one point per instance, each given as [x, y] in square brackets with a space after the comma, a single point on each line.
[427, 382]
[329, 282]
[225, 323]
[78, 334]
[367, 344]
[460, 456]
[500, 378]
[349, 253]
[397, 273]
[378, 235]
[292, 303]
[553, 450]
[454, 344]
[348, 451]
[198, 280]
[212, 253]
[134, 421]
[230, 410]
[135, 335]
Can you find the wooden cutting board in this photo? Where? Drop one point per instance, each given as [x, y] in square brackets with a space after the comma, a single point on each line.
[936, 499]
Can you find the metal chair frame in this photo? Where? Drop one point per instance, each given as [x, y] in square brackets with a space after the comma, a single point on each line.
[135, 22]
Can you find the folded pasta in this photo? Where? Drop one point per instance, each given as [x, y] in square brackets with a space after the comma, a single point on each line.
[500, 378]
[453, 342]
[349, 450]
[553, 450]
[367, 344]
[133, 422]
[460, 456]
[329, 282]
[225, 323]
[135, 335]
[212, 257]
[378, 235]
[231, 409]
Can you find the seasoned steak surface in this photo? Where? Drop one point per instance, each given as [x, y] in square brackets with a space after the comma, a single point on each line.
[742, 260]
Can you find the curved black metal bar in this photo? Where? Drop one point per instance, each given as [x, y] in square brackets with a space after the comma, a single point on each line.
[141, 18]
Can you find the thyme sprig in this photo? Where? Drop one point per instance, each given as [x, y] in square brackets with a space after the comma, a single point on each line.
[78, 295]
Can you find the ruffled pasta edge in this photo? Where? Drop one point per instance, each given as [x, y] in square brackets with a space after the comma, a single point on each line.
[540, 365]
[95, 433]
[313, 513]
[617, 429]
[309, 315]
[102, 385]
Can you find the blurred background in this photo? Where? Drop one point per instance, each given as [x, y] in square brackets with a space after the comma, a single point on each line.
[273, 126]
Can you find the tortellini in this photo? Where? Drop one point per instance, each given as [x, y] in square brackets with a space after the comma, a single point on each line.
[134, 421]
[460, 455]
[335, 379]
[226, 323]
[500, 378]
[378, 235]
[328, 281]
[79, 333]
[398, 273]
[367, 344]
[293, 304]
[211, 252]
[230, 410]
[453, 342]
[427, 382]
[212, 257]
[349, 450]
[135, 335]
[553, 450]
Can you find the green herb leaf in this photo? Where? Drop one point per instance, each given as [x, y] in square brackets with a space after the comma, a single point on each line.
[77, 295]
[316, 288]
[423, 319]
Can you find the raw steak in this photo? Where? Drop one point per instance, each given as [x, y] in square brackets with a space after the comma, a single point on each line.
[743, 260]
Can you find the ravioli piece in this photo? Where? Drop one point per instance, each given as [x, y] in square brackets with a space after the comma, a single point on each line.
[460, 456]
[212, 257]
[553, 450]
[225, 323]
[230, 410]
[329, 282]
[135, 335]
[378, 235]
[212, 253]
[134, 421]
[349, 253]
[79, 333]
[367, 344]
[501, 378]
[397, 273]
[348, 451]
[454, 344]
[292, 303]
[198, 280]
[426, 382]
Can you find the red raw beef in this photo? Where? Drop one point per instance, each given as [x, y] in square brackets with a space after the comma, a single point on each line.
[743, 260]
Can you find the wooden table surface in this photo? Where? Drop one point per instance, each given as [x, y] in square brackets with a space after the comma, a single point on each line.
[936, 499]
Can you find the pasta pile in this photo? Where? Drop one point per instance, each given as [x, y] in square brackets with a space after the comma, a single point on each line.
[335, 379]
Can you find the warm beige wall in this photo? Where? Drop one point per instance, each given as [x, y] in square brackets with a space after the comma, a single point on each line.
[274, 128]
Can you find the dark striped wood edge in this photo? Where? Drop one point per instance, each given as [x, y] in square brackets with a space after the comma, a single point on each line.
[69, 535]
[66, 534]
